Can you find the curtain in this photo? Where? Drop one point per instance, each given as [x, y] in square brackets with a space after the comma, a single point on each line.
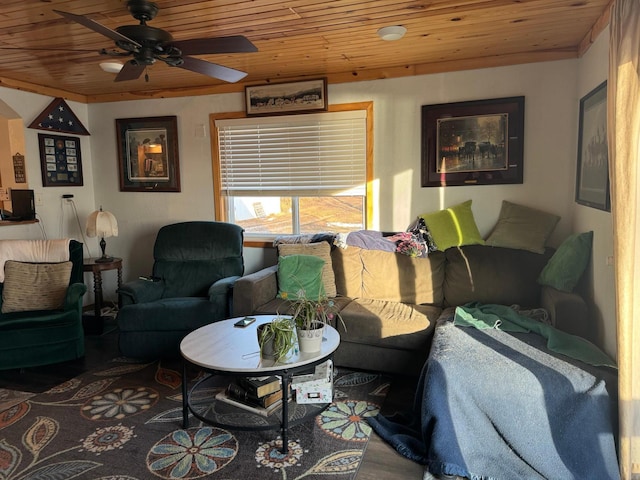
[623, 95]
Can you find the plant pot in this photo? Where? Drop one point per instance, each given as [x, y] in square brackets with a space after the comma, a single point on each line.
[310, 341]
[267, 350]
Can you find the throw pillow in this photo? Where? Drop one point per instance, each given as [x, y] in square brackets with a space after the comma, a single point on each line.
[319, 249]
[300, 275]
[34, 286]
[522, 228]
[453, 227]
[566, 266]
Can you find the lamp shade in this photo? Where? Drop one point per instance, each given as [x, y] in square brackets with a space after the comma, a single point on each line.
[101, 224]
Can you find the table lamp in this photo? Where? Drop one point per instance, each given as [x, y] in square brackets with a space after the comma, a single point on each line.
[102, 224]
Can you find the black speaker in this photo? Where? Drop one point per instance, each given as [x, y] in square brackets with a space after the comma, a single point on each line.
[23, 205]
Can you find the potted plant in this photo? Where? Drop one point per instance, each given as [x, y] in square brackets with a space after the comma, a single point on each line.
[310, 317]
[276, 338]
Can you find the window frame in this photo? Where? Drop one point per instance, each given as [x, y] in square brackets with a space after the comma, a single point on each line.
[220, 201]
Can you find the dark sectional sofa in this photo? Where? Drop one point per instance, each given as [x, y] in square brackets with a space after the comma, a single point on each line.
[391, 302]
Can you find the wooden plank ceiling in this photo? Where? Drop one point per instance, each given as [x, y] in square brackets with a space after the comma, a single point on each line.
[41, 51]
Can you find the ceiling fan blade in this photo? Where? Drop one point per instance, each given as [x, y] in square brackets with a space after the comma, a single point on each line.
[97, 27]
[212, 69]
[130, 71]
[202, 46]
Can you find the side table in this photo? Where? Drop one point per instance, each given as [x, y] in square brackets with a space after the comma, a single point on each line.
[90, 265]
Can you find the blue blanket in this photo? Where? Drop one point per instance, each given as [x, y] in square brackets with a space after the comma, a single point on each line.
[500, 405]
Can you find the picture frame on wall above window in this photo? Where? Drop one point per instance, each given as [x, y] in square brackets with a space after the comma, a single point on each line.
[60, 160]
[478, 142]
[148, 158]
[288, 97]
[592, 175]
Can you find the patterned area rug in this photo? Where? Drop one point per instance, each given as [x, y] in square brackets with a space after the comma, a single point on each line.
[9, 398]
[124, 422]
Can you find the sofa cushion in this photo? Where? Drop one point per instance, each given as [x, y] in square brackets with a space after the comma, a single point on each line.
[389, 276]
[453, 226]
[300, 275]
[388, 324]
[318, 249]
[34, 286]
[522, 227]
[484, 274]
[564, 269]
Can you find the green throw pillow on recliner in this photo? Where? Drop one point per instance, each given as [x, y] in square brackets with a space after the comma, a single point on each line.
[300, 273]
[566, 266]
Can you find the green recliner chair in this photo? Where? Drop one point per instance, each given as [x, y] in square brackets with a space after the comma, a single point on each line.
[195, 267]
[41, 337]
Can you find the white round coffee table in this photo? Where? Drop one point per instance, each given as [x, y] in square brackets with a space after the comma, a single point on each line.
[220, 348]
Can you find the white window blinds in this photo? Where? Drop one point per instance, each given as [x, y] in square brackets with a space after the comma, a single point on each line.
[297, 155]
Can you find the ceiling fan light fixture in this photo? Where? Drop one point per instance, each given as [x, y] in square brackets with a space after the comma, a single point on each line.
[392, 32]
[112, 66]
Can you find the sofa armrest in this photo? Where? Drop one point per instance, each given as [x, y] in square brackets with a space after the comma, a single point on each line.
[568, 312]
[140, 291]
[74, 294]
[254, 290]
[221, 294]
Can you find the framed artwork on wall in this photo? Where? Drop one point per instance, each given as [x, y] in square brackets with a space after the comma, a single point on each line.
[473, 143]
[148, 154]
[592, 175]
[291, 97]
[60, 161]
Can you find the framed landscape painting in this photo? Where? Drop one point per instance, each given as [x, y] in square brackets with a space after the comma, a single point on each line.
[592, 176]
[291, 97]
[473, 143]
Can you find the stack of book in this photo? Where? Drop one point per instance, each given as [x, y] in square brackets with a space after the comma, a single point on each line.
[261, 395]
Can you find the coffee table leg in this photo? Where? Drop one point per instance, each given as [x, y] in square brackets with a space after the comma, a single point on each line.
[185, 400]
[286, 379]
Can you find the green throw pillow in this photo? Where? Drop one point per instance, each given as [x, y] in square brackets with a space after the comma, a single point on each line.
[566, 266]
[453, 227]
[300, 275]
[522, 228]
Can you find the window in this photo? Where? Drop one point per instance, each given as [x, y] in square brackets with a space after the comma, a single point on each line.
[295, 173]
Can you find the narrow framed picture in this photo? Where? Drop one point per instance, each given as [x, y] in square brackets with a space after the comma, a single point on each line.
[478, 142]
[148, 154]
[592, 175]
[60, 161]
[288, 97]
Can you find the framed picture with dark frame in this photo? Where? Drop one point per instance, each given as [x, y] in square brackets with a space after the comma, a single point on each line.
[304, 96]
[478, 142]
[148, 154]
[592, 175]
[60, 161]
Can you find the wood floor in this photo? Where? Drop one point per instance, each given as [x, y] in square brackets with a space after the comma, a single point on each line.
[380, 462]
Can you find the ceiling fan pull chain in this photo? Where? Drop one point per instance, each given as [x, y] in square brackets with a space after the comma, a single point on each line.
[146, 75]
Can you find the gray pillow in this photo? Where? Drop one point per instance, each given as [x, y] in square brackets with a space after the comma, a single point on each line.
[521, 227]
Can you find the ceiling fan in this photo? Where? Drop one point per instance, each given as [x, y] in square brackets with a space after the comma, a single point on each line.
[148, 44]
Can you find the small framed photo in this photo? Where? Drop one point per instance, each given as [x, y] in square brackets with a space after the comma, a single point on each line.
[479, 142]
[291, 97]
[148, 154]
[58, 167]
[592, 176]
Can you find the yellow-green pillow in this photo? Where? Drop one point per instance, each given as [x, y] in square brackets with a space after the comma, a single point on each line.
[523, 228]
[300, 275]
[453, 227]
[566, 266]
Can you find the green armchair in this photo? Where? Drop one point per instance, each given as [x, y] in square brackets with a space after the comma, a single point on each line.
[195, 267]
[41, 337]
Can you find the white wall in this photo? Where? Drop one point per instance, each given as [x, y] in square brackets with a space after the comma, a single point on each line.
[551, 105]
[592, 71]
